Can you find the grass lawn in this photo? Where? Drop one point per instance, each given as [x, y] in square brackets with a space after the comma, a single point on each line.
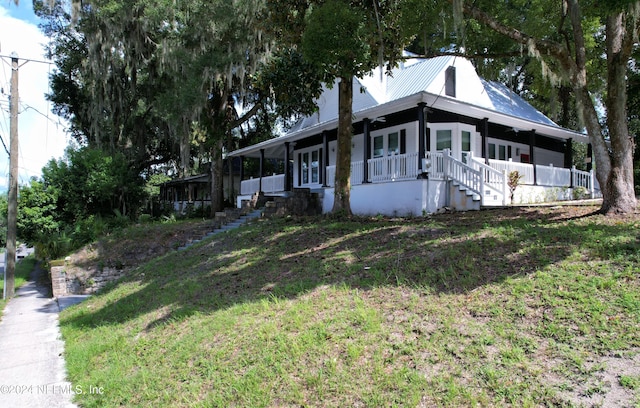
[23, 269]
[515, 307]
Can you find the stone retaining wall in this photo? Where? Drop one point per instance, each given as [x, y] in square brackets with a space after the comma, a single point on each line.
[64, 283]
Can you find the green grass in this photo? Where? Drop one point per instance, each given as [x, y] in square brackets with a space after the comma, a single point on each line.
[23, 269]
[511, 307]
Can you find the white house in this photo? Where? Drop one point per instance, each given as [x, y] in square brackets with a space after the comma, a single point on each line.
[432, 135]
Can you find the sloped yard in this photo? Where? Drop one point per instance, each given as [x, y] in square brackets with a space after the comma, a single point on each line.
[522, 307]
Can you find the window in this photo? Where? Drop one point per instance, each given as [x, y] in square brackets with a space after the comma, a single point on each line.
[390, 144]
[492, 150]
[502, 152]
[315, 166]
[378, 146]
[394, 144]
[443, 139]
[466, 141]
[305, 168]
[309, 167]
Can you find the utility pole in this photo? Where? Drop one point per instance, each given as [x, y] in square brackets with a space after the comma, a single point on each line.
[12, 199]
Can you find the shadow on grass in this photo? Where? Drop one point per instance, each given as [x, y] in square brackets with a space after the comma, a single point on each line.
[285, 258]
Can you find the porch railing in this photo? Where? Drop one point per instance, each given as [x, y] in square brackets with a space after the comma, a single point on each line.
[357, 173]
[553, 176]
[525, 169]
[381, 169]
[392, 168]
[270, 184]
[484, 180]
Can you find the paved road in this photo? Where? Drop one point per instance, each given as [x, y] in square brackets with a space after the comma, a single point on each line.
[32, 367]
[21, 252]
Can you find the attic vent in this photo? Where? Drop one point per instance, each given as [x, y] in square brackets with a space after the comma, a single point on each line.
[450, 82]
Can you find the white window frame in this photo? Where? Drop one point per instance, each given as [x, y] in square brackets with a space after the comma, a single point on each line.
[385, 133]
[456, 137]
[311, 167]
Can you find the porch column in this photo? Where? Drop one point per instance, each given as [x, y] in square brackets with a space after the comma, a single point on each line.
[231, 187]
[366, 133]
[484, 135]
[421, 128]
[241, 168]
[325, 159]
[532, 157]
[568, 158]
[287, 173]
[568, 154]
[261, 170]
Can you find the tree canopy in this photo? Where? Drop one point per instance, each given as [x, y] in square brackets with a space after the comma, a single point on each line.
[341, 39]
[582, 50]
[169, 83]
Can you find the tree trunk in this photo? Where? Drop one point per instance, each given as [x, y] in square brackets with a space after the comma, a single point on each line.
[217, 176]
[619, 195]
[342, 191]
[614, 169]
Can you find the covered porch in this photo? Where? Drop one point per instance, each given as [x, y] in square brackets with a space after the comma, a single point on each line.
[393, 180]
[408, 160]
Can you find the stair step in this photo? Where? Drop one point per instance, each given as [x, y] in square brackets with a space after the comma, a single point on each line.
[243, 219]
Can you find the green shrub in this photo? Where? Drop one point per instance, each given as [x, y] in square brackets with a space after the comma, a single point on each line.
[53, 246]
[579, 192]
[145, 218]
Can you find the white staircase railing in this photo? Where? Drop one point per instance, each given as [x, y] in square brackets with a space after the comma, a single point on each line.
[459, 172]
[495, 183]
[489, 184]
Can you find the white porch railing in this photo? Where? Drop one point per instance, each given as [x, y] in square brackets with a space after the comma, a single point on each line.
[586, 180]
[270, 184]
[553, 176]
[382, 169]
[488, 181]
[525, 169]
[435, 165]
[392, 168]
[357, 173]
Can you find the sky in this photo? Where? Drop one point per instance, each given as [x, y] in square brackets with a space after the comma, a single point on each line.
[42, 135]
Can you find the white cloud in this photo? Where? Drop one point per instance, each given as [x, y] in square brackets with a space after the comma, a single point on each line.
[41, 134]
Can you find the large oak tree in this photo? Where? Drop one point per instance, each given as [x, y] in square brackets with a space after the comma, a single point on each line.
[571, 39]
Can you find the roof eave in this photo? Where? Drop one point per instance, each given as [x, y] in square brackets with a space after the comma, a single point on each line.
[467, 109]
[431, 100]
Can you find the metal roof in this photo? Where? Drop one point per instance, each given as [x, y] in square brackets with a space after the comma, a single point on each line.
[420, 80]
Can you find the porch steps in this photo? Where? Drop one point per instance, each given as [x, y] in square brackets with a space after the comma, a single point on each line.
[463, 199]
[226, 223]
